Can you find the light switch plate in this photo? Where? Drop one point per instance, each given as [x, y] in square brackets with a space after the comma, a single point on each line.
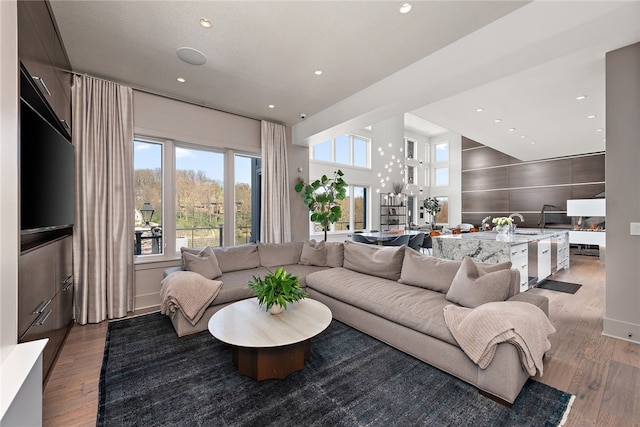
[635, 228]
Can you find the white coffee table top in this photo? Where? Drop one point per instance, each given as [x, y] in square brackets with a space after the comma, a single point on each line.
[247, 324]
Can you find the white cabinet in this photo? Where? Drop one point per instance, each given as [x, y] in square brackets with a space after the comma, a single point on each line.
[544, 259]
[519, 256]
[562, 241]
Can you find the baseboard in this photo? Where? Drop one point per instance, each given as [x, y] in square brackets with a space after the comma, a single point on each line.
[621, 330]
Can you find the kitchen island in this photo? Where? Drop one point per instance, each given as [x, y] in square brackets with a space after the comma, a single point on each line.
[535, 253]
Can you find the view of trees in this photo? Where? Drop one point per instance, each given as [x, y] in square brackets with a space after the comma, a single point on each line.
[199, 205]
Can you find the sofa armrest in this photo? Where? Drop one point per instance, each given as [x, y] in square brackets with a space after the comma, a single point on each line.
[539, 301]
[168, 271]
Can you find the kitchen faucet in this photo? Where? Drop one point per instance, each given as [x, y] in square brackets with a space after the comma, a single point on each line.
[513, 225]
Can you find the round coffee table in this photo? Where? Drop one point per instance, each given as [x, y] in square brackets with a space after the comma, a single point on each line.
[267, 346]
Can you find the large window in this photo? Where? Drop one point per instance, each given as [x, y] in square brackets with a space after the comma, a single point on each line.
[354, 211]
[147, 189]
[209, 197]
[345, 150]
[441, 167]
[199, 194]
[443, 216]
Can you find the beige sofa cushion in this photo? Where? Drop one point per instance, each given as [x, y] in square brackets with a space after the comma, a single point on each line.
[204, 263]
[410, 306]
[313, 253]
[335, 254]
[279, 254]
[428, 272]
[234, 258]
[385, 262]
[475, 285]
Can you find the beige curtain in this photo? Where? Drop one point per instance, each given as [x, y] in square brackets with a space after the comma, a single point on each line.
[275, 217]
[103, 231]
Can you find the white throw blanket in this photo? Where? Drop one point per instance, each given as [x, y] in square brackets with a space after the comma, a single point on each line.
[189, 293]
[478, 331]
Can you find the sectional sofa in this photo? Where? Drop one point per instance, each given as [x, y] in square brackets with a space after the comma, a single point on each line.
[394, 294]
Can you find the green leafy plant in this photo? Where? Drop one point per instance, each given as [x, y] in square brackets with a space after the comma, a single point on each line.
[502, 220]
[278, 287]
[321, 197]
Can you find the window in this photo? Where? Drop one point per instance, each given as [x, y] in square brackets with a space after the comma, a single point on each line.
[147, 187]
[441, 177]
[443, 216]
[354, 211]
[247, 195]
[441, 152]
[359, 208]
[199, 194]
[345, 150]
[186, 185]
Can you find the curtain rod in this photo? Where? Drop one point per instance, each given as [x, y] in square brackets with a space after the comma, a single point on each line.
[164, 95]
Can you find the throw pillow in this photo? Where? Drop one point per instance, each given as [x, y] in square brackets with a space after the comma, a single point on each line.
[428, 272]
[473, 285]
[335, 254]
[241, 257]
[314, 253]
[380, 261]
[204, 263]
[279, 254]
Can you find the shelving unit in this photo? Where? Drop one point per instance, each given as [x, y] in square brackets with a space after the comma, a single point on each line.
[393, 211]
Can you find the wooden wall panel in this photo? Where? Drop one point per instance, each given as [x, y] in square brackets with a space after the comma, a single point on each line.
[540, 173]
[485, 201]
[588, 169]
[483, 158]
[485, 179]
[525, 187]
[532, 199]
[469, 143]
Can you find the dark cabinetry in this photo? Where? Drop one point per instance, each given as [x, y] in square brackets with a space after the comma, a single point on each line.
[45, 295]
[41, 51]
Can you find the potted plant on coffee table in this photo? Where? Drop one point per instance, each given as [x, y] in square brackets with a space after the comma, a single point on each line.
[277, 289]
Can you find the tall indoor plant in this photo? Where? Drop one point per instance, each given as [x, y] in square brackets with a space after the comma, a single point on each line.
[432, 206]
[321, 196]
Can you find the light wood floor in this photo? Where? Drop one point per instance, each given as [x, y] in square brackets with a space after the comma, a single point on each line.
[603, 372]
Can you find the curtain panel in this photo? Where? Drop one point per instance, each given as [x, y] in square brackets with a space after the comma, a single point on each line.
[103, 237]
[275, 215]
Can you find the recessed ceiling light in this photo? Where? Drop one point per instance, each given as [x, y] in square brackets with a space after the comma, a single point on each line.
[181, 80]
[532, 142]
[479, 110]
[405, 8]
[523, 136]
[581, 97]
[272, 106]
[497, 120]
[592, 116]
[205, 23]
[512, 129]
[318, 72]
[598, 130]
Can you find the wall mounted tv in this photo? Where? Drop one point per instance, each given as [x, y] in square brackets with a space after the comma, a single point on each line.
[46, 175]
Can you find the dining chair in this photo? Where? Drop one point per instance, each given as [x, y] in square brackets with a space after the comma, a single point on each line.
[358, 238]
[415, 241]
[398, 241]
[427, 244]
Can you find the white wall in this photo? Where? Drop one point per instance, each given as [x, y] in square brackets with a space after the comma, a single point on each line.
[9, 227]
[622, 317]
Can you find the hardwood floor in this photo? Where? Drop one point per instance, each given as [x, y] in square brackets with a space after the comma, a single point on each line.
[603, 372]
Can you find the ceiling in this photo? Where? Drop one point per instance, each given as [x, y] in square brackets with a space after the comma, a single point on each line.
[524, 63]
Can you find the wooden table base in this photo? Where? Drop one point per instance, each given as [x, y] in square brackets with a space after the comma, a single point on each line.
[264, 363]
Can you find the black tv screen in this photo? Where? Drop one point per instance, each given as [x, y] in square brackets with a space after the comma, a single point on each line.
[46, 174]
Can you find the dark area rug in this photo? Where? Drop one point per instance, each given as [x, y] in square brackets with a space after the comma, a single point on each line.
[150, 377]
[566, 287]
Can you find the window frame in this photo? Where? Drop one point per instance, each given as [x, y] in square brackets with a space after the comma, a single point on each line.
[352, 137]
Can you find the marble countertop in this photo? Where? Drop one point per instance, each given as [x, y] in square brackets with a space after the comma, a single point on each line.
[522, 235]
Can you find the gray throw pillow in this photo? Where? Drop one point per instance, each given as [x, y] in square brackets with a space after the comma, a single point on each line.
[428, 272]
[204, 263]
[380, 261]
[241, 257]
[473, 285]
[279, 254]
[314, 253]
[335, 254]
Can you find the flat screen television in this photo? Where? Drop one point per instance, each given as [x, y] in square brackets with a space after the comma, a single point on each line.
[47, 164]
